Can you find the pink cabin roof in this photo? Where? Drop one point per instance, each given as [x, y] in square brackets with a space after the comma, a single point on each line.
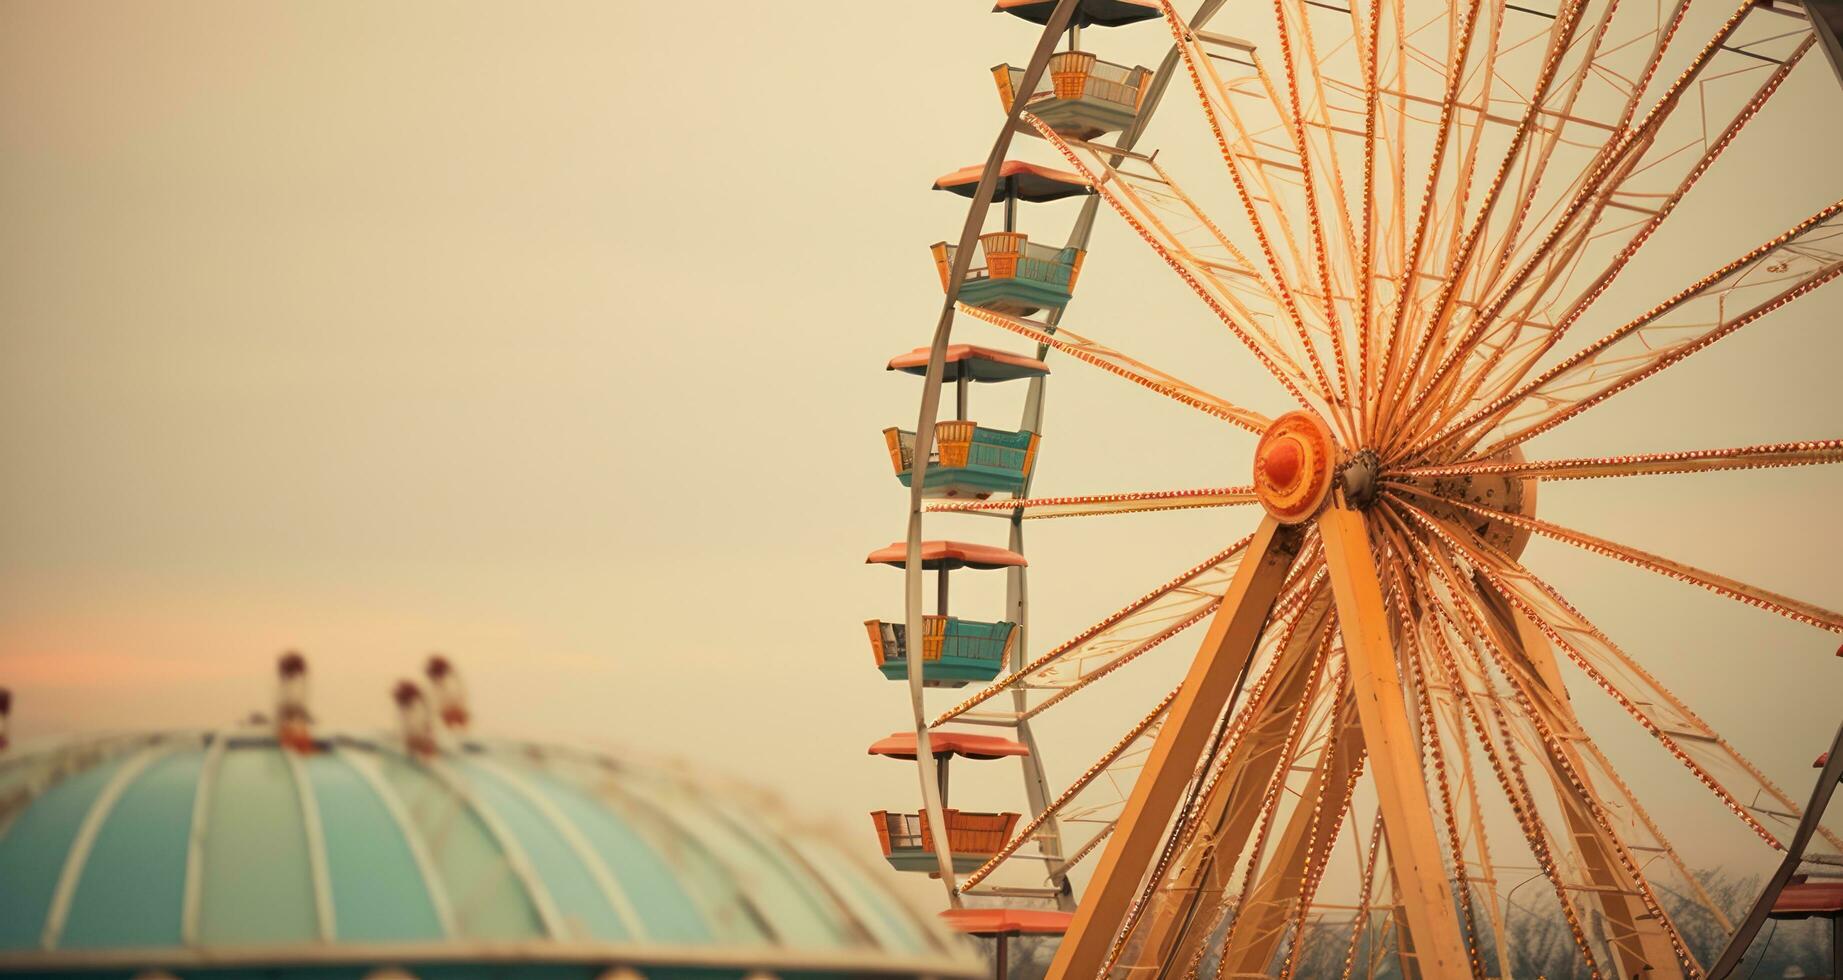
[902, 745]
[1008, 922]
[978, 363]
[948, 554]
[1802, 899]
[1026, 181]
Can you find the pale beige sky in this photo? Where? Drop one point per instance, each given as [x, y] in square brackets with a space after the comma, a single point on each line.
[551, 336]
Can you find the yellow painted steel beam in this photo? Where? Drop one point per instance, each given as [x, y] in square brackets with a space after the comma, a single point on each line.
[1395, 767]
[1220, 661]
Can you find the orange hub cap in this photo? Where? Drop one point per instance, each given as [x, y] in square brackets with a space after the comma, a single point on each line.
[1293, 465]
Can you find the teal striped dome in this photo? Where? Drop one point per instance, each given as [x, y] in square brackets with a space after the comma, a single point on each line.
[221, 853]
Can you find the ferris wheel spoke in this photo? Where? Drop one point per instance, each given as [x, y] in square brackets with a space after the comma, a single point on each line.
[1263, 164]
[1679, 730]
[1133, 745]
[1125, 366]
[1642, 834]
[1213, 269]
[1410, 652]
[1611, 874]
[1540, 322]
[1249, 929]
[1644, 165]
[1765, 456]
[1229, 802]
[1793, 609]
[1473, 260]
[1773, 275]
[1393, 366]
[1639, 933]
[1105, 504]
[1444, 672]
[1134, 628]
[1366, 889]
[1273, 884]
[1320, 177]
[1344, 756]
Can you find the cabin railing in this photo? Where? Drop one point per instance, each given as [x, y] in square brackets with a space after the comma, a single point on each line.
[1011, 255]
[967, 833]
[960, 444]
[950, 636]
[1078, 75]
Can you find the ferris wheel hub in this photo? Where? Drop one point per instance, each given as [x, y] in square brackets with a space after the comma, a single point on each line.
[1293, 466]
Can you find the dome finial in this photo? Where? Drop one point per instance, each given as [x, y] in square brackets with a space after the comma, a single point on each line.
[293, 722]
[450, 693]
[418, 725]
[6, 713]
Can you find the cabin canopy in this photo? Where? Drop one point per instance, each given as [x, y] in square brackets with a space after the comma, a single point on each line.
[1024, 181]
[901, 745]
[1088, 13]
[949, 555]
[1803, 899]
[1008, 922]
[983, 364]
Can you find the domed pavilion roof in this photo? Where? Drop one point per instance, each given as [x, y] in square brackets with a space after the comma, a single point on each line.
[209, 853]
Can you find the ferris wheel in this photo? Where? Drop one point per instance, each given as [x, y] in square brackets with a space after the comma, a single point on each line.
[1415, 211]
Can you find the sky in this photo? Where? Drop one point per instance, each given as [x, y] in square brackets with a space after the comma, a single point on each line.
[551, 337]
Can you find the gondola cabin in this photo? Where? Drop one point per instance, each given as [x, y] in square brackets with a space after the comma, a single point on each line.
[967, 459]
[955, 651]
[1080, 96]
[972, 837]
[1008, 273]
[908, 842]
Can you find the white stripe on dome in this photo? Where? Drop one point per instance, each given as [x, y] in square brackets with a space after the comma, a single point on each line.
[419, 851]
[515, 856]
[775, 849]
[195, 842]
[579, 845]
[66, 758]
[80, 846]
[605, 788]
[316, 844]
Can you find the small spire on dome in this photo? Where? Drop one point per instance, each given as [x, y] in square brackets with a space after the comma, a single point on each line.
[450, 693]
[6, 713]
[293, 722]
[418, 723]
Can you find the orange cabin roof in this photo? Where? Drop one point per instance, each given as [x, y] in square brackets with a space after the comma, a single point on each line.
[948, 554]
[1799, 900]
[1025, 181]
[1008, 922]
[977, 363]
[1103, 13]
[901, 745]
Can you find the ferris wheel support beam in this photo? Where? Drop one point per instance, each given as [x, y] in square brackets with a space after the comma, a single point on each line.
[1224, 655]
[1401, 791]
[1309, 832]
[1637, 939]
[1227, 814]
